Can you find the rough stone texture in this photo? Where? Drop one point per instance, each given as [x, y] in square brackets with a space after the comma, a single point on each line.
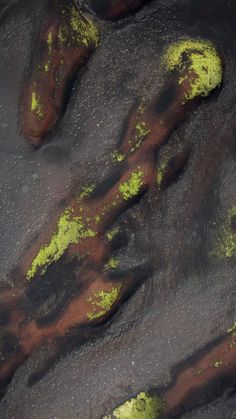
[189, 300]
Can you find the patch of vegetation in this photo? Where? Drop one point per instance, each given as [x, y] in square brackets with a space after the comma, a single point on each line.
[133, 186]
[143, 406]
[102, 302]
[200, 62]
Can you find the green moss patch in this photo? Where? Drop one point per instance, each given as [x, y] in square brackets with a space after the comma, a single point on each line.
[69, 230]
[161, 169]
[143, 406]
[36, 105]
[86, 191]
[200, 59]
[113, 263]
[111, 234]
[77, 29]
[118, 156]
[102, 302]
[141, 132]
[227, 237]
[49, 41]
[132, 187]
[232, 329]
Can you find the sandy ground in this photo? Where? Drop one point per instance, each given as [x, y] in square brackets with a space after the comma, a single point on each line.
[189, 300]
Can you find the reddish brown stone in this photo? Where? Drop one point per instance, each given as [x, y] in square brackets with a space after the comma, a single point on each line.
[64, 44]
[114, 9]
[146, 131]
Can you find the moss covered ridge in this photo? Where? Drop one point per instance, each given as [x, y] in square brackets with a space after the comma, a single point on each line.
[111, 234]
[132, 187]
[112, 263]
[77, 29]
[201, 60]
[144, 406]
[70, 230]
[102, 302]
[36, 105]
[227, 237]
[161, 171]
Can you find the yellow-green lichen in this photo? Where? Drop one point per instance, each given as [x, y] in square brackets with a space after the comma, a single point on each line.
[142, 107]
[102, 302]
[160, 176]
[232, 329]
[47, 66]
[144, 406]
[70, 230]
[63, 35]
[49, 41]
[141, 129]
[84, 27]
[118, 156]
[77, 29]
[133, 186]
[86, 191]
[36, 105]
[112, 233]
[141, 132]
[113, 263]
[107, 208]
[218, 364]
[232, 344]
[200, 60]
[198, 372]
[161, 171]
[227, 237]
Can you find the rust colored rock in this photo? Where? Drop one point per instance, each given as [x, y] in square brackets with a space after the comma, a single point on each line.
[64, 44]
[115, 9]
[81, 228]
[217, 363]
